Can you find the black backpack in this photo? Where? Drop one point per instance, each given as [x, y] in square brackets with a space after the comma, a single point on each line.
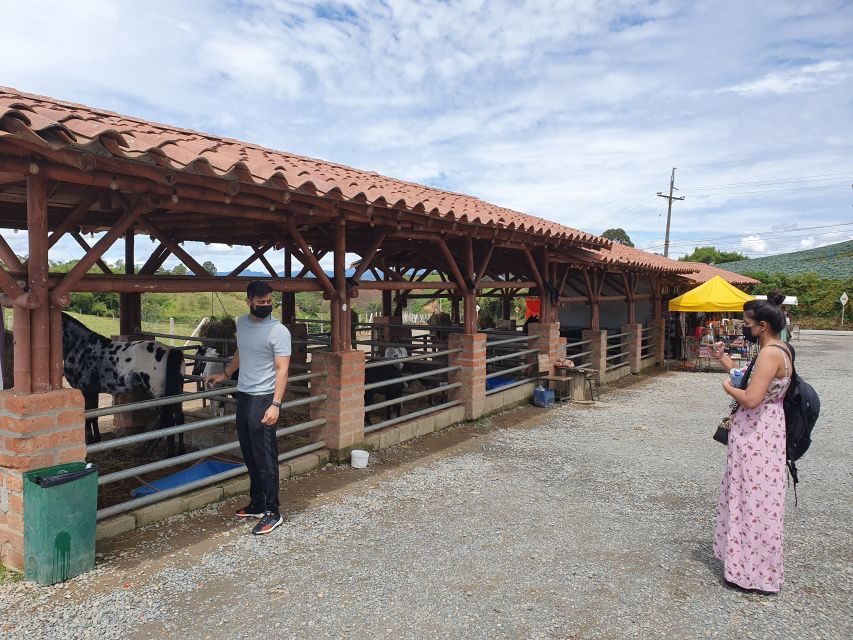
[802, 408]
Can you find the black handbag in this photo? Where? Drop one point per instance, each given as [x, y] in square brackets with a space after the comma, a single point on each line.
[721, 435]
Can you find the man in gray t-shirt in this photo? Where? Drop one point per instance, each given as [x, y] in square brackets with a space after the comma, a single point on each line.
[262, 358]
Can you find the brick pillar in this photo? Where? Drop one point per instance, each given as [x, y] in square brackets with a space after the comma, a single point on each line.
[598, 349]
[298, 331]
[659, 333]
[472, 375]
[39, 430]
[635, 345]
[343, 409]
[551, 346]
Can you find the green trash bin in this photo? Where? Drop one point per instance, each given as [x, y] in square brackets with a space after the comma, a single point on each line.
[60, 511]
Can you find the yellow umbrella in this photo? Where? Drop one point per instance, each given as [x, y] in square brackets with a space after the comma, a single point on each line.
[714, 295]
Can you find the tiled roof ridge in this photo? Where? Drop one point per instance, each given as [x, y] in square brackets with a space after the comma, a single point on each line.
[234, 141]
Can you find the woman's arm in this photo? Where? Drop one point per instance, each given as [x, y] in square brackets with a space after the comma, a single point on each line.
[763, 372]
[721, 355]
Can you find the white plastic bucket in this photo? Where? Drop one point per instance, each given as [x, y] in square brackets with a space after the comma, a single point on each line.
[358, 459]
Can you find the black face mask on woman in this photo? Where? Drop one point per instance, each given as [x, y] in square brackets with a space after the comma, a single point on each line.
[747, 335]
[262, 310]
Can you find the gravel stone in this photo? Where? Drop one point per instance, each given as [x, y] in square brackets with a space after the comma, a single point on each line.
[575, 522]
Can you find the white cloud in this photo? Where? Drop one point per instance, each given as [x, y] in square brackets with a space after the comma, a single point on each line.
[575, 111]
[812, 77]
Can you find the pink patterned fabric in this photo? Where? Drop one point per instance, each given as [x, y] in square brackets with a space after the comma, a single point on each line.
[751, 509]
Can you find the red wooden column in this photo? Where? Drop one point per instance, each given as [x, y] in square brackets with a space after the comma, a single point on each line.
[130, 304]
[288, 298]
[469, 297]
[37, 270]
[341, 316]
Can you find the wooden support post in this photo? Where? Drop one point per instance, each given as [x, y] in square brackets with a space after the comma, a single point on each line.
[288, 299]
[130, 304]
[37, 270]
[469, 295]
[21, 346]
[56, 354]
[341, 300]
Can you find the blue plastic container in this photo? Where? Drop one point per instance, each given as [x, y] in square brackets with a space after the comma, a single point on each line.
[494, 383]
[196, 472]
[543, 397]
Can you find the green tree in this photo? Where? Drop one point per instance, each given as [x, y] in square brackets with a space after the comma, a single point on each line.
[209, 267]
[712, 255]
[180, 270]
[618, 235]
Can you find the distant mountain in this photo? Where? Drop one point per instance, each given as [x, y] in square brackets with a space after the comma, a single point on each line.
[262, 274]
[833, 261]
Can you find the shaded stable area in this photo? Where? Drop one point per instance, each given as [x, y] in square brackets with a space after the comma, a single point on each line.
[67, 170]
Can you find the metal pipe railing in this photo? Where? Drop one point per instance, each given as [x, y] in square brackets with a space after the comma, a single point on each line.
[621, 354]
[411, 416]
[198, 455]
[496, 374]
[390, 361]
[617, 335]
[414, 376]
[184, 428]
[412, 396]
[514, 354]
[198, 484]
[580, 343]
[495, 343]
[184, 397]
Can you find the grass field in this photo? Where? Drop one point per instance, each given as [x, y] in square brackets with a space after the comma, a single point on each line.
[108, 326]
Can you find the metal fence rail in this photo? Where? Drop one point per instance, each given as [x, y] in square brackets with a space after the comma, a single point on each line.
[411, 416]
[503, 350]
[618, 359]
[198, 484]
[648, 342]
[575, 352]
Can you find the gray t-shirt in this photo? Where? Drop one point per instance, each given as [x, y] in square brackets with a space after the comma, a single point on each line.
[259, 341]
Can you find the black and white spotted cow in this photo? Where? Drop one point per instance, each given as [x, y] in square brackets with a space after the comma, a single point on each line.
[95, 364]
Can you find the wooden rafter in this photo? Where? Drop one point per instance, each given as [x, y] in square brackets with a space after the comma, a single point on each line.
[87, 248]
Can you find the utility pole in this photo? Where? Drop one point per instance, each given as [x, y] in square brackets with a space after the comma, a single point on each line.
[669, 199]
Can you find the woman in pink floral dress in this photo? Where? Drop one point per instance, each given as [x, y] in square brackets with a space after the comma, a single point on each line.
[751, 509]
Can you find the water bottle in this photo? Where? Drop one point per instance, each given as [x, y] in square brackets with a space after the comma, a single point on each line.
[736, 377]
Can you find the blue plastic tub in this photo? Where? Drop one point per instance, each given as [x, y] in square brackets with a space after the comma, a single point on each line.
[196, 472]
[493, 383]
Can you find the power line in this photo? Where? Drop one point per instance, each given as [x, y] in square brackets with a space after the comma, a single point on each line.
[765, 157]
[742, 193]
[820, 177]
[764, 234]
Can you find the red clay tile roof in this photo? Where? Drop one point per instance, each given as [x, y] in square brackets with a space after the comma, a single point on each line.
[704, 272]
[620, 255]
[56, 124]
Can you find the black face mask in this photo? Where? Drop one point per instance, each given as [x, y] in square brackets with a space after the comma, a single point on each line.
[262, 310]
[747, 335]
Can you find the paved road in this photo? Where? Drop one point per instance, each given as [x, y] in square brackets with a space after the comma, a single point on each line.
[570, 523]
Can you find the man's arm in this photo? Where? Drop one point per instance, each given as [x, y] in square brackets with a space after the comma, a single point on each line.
[271, 415]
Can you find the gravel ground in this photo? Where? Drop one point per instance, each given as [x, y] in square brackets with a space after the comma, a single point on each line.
[569, 523]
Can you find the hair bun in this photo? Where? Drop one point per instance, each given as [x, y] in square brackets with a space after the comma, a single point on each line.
[776, 297]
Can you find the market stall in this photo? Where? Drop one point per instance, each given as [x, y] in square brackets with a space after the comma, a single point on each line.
[713, 299]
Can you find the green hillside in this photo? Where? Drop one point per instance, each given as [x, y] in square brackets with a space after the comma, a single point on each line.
[834, 261]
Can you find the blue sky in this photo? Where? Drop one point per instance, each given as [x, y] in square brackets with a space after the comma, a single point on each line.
[572, 110]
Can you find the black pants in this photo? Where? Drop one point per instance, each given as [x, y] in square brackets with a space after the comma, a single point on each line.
[260, 450]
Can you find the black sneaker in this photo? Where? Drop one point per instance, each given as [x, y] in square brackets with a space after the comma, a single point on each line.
[268, 523]
[250, 512]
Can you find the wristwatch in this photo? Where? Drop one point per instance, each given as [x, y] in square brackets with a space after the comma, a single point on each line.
[276, 404]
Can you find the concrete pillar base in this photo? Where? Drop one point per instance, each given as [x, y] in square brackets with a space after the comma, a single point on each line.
[635, 346]
[598, 352]
[472, 375]
[343, 408]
